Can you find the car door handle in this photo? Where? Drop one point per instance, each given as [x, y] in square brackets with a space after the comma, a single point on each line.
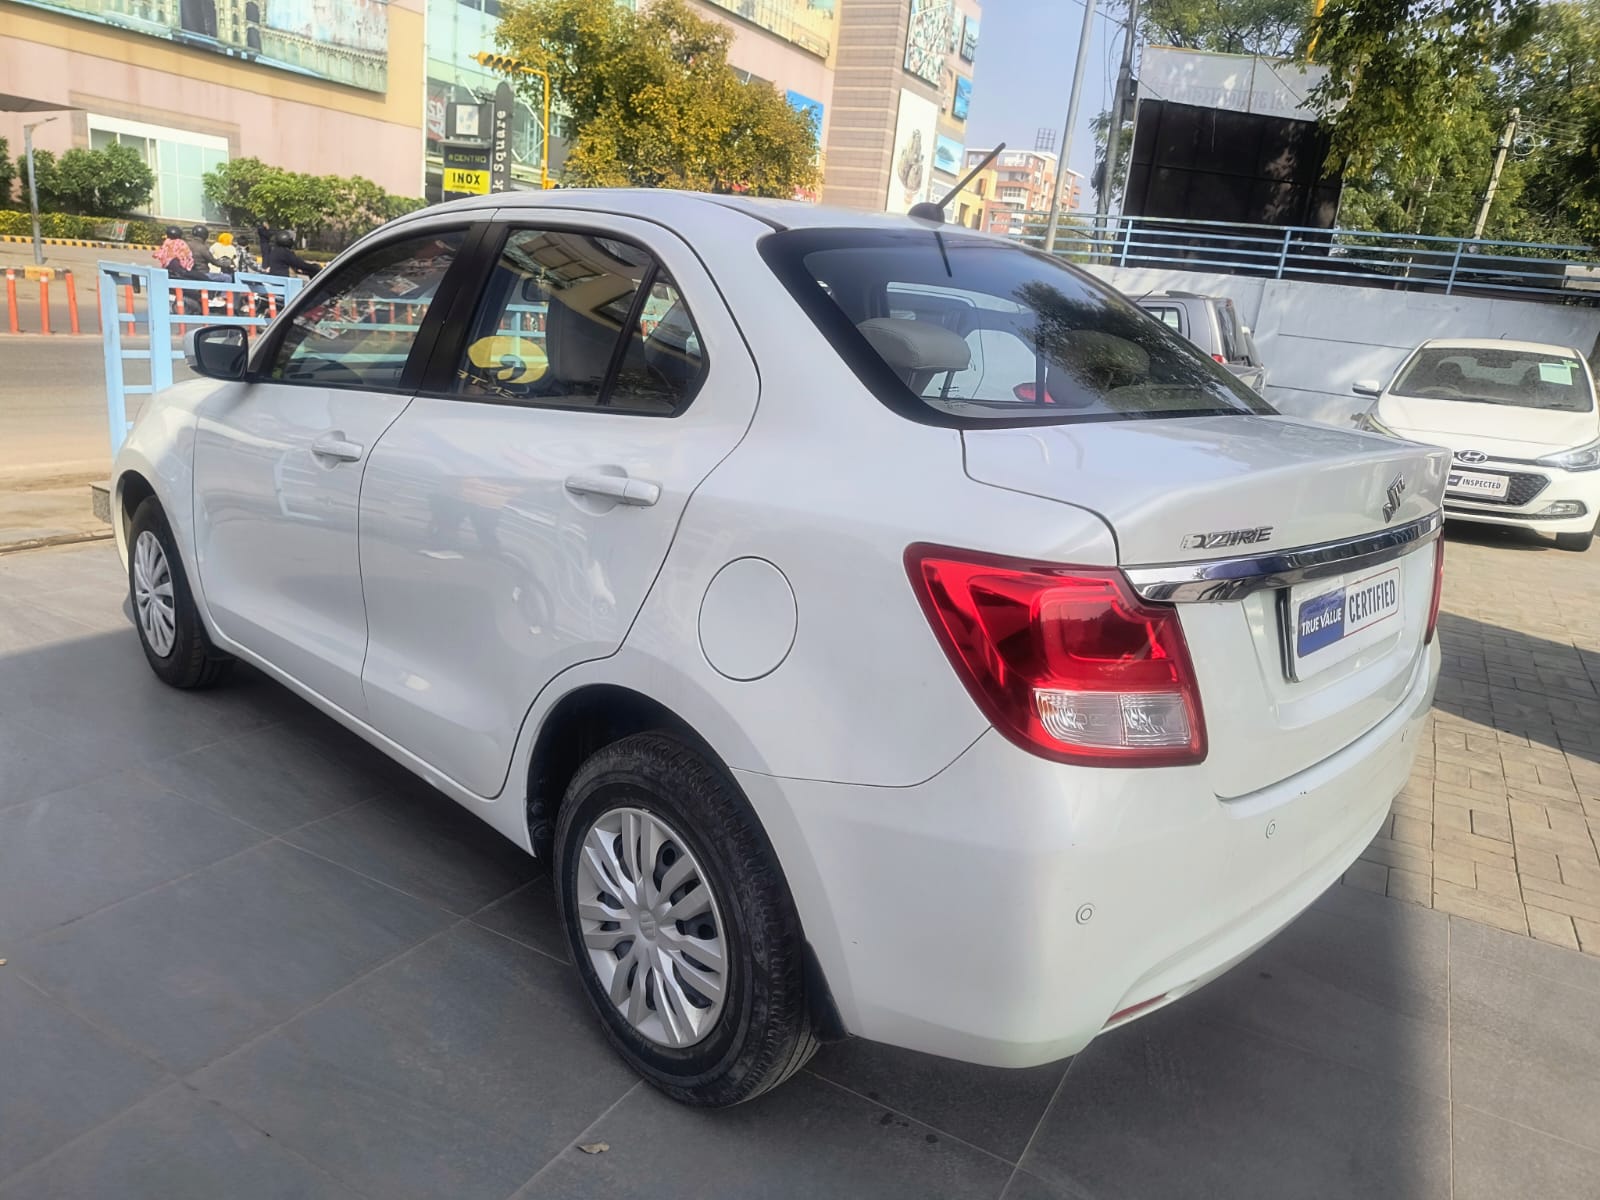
[332, 445]
[614, 487]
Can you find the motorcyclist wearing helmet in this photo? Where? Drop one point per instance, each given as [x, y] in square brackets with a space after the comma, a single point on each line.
[198, 239]
[174, 253]
[278, 256]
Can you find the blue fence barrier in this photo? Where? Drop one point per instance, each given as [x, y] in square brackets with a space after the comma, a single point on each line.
[251, 301]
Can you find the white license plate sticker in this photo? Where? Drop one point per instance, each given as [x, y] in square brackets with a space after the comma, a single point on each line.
[1333, 619]
[1476, 483]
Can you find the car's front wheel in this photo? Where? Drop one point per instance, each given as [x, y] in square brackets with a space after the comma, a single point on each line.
[169, 625]
[681, 924]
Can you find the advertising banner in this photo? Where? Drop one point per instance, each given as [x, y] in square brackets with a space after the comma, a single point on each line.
[929, 38]
[467, 169]
[969, 39]
[961, 101]
[811, 108]
[346, 41]
[1234, 82]
[505, 104]
[947, 155]
[911, 166]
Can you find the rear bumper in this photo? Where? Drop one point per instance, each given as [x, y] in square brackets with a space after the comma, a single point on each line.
[1003, 911]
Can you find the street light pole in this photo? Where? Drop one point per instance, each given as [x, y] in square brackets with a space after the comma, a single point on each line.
[33, 187]
[1066, 133]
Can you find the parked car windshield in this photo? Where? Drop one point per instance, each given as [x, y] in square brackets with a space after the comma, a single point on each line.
[1519, 378]
[954, 329]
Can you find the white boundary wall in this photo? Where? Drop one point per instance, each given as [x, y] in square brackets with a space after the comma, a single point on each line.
[1319, 338]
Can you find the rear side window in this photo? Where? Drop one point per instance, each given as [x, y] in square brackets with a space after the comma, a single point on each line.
[1167, 314]
[1232, 340]
[948, 328]
[571, 320]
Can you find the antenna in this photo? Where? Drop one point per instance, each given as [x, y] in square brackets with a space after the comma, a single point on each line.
[934, 211]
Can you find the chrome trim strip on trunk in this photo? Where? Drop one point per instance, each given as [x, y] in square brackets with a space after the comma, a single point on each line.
[1221, 579]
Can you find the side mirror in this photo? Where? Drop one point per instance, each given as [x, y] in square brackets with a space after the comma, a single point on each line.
[1367, 387]
[217, 352]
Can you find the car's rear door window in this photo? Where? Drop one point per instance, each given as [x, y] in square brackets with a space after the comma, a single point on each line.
[1169, 315]
[950, 328]
[1233, 348]
[574, 320]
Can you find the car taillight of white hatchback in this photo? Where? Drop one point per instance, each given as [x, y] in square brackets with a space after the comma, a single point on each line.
[1065, 661]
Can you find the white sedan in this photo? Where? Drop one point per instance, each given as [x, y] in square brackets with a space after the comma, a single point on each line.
[1520, 421]
[883, 629]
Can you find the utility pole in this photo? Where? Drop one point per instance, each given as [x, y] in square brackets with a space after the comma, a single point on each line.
[33, 187]
[1066, 132]
[1506, 139]
[1119, 105]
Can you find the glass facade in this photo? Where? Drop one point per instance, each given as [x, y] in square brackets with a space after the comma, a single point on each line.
[178, 158]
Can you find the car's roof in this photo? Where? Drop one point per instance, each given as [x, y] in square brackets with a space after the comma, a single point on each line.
[1176, 296]
[664, 204]
[1498, 344]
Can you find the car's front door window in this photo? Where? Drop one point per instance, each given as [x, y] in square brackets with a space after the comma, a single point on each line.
[359, 328]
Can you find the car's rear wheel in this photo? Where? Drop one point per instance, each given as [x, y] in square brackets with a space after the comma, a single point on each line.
[170, 630]
[681, 924]
[1575, 541]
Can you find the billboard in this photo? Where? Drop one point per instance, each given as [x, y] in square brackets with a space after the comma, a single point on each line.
[961, 98]
[911, 164]
[969, 39]
[929, 37]
[346, 41]
[811, 108]
[947, 155]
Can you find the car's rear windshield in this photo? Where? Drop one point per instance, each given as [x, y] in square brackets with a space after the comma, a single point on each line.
[953, 329]
[1496, 375]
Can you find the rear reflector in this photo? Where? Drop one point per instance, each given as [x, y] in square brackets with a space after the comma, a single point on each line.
[1065, 661]
[1125, 1013]
[1438, 589]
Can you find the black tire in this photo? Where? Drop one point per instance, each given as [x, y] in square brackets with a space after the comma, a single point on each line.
[1578, 542]
[764, 1033]
[192, 661]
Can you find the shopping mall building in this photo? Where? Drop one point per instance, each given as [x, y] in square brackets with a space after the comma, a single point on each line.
[323, 86]
[366, 87]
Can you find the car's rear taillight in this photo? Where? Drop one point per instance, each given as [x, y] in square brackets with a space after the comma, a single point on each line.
[1066, 661]
[1220, 358]
[1438, 589]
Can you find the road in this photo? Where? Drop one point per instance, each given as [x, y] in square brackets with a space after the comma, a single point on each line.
[52, 410]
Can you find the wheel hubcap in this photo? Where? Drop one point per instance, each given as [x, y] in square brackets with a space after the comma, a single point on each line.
[152, 594]
[652, 927]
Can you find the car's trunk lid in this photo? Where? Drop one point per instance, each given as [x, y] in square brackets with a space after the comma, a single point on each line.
[1188, 491]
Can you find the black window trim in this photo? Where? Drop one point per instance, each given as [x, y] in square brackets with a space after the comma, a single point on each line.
[267, 348]
[439, 377]
[784, 253]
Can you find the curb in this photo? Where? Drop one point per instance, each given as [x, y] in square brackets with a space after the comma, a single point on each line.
[15, 238]
[59, 539]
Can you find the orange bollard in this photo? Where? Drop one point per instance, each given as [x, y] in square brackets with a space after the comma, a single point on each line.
[11, 297]
[230, 304]
[72, 302]
[205, 303]
[391, 312]
[272, 306]
[133, 321]
[44, 304]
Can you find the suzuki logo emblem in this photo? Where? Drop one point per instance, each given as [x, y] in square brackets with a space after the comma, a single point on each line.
[1392, 503]
[1471, 456]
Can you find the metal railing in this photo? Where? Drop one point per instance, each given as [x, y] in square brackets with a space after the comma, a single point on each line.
[252, 301]
[1407, 262]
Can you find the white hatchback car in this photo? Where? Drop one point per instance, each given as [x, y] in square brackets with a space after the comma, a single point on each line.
[884, 629]
[1519, 419]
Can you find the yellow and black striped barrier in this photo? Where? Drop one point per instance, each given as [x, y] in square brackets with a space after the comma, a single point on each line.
[88, 244]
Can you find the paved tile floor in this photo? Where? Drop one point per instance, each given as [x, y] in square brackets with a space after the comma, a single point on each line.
[246, 957]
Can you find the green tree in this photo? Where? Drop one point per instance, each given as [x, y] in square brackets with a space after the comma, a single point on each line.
[654, 102]
[8, 174]
[44, 163]
[1274, 28]
[290, 200]
[100, 183]
[227, 188]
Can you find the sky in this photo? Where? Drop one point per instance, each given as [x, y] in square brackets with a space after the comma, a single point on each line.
[1023, 75]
